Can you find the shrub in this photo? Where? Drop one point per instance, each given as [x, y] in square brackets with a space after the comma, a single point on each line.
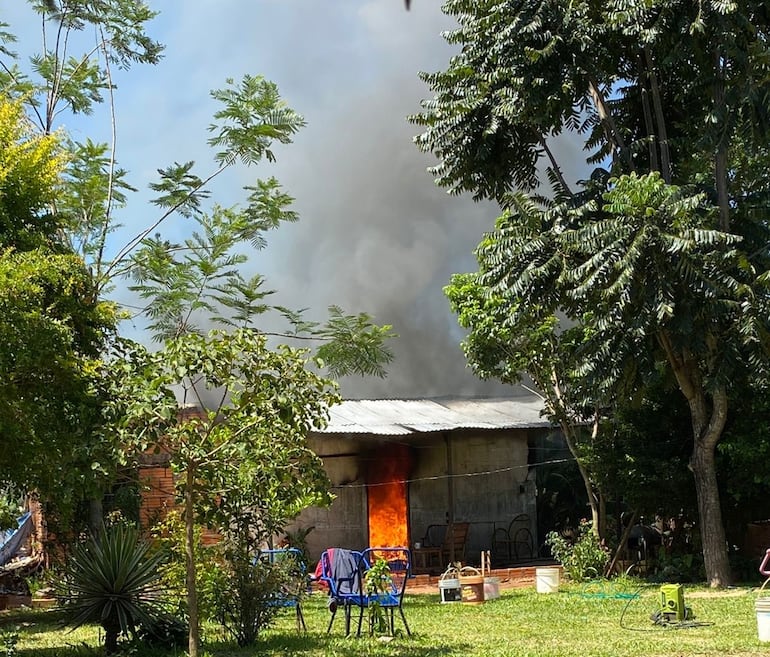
[167, 631]
[8, 641]
[378, 581]
[210, 575]
[584, 558]
[112, 580]
[11, 507]
[253, 595]
[678, 567]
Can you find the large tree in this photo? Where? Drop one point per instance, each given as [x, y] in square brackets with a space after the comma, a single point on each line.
[661, 252]
[52, 330]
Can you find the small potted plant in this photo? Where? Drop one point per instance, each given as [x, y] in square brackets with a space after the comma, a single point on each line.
[378, 583]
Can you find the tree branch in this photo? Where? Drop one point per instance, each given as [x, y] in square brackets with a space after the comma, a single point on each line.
[134, 242]
[608, 123]
[111, 174]
[648, 124]
[677, 365]
[555, 166]
[720, 158]
[665, 157]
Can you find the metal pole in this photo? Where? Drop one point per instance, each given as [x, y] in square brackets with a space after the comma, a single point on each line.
[450, 516]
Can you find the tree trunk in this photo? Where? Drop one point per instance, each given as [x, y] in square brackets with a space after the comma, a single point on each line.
[111, 632]
[707, 430]
[611, 132]
[95, 516]
[622, 549]
[720, 172]
[708, 414]
[192, 596]
[602, 516]
[555, 166]
[558, 410]
[711, 526]
[593, 502]
[657, 104]
[720, 159]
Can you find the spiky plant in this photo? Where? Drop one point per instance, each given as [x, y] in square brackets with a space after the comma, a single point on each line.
[112, 580]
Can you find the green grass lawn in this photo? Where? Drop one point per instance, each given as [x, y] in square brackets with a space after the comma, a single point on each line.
[578, 620]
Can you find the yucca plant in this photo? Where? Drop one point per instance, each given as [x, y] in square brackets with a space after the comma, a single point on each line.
[112, 580]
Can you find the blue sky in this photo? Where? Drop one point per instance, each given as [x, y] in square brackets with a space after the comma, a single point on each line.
[374, 234]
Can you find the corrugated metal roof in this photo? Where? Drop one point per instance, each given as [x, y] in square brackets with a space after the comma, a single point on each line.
[398, 417]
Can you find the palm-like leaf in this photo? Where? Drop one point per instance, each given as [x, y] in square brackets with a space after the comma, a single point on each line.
[112, 581]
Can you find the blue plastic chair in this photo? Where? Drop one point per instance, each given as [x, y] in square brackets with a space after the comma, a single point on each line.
[344, 572]
[341, 572]
[399, 560]
[290, 597]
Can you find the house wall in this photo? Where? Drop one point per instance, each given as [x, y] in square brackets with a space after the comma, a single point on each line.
[157, 483]
[498, 491]
[343, 524]
[158, 494]
[489, 486]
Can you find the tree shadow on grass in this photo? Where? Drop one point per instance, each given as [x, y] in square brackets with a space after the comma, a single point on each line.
[272, 643]
[33, 621]
[62, 651]
[341, 646]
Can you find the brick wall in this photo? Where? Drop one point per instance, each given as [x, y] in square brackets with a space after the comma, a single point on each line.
[158, 495]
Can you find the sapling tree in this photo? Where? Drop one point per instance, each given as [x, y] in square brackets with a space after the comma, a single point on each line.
[233, 416]
[538, 345]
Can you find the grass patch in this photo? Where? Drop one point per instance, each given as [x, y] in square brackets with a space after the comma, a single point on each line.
[600, 620]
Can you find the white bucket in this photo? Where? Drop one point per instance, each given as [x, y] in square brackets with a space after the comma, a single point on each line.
[450, 590]
[762, 605]
[547, 580]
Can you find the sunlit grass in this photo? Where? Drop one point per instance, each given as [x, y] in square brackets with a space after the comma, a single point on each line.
[600, 620]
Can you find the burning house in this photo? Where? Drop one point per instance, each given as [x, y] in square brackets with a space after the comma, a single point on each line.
[399, 467]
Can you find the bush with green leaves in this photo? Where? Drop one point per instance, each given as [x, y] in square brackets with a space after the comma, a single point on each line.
[9, 640]
[210, 575]
[680, 567]
[583, 557]
[10, 507]
[112, 580]
[297, 538]
[255, 591]
[167, 631]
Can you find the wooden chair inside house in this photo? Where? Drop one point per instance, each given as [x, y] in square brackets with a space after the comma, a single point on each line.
[435, 553]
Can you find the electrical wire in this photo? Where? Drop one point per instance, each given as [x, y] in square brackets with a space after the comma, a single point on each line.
[456, 475]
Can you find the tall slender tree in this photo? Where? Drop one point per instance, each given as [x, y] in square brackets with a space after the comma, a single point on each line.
[242, 448]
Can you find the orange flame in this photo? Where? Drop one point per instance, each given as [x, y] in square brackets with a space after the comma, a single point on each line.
[387, 498]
